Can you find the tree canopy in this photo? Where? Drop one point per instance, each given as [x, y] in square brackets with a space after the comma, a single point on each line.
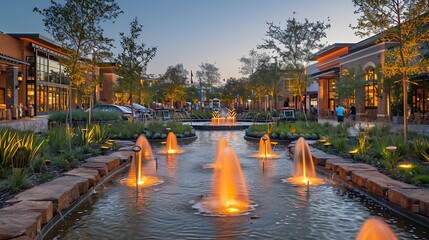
[133, 60]
[404, 22]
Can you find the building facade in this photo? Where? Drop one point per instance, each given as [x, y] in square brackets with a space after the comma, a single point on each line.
[374, 98]
[31, 75]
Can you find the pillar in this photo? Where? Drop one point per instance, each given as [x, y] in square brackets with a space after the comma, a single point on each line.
[11, 86]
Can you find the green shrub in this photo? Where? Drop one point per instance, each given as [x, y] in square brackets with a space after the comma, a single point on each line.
[156, 127]
[19, 181]
[58, 139]
[82, 116]
[422, 179]
[8, 146]
[101, 133]
[339, 143]
[421, 148]
[38, 164]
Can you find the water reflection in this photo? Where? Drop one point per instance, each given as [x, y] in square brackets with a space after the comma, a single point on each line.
[284, 211]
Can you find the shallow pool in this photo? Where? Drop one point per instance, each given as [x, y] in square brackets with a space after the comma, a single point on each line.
[283, 211]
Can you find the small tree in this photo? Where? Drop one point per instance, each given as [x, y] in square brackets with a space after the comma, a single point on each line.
[404, 22]
[294, 45]
[173, 83]
[76, 25]
[133, 60]
[207, 76]
[351, 81]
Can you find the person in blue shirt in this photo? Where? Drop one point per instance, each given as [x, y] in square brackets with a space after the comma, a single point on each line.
[340, 113]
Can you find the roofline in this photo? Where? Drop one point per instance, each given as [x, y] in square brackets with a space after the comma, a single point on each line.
[330, 48]
[36, 37]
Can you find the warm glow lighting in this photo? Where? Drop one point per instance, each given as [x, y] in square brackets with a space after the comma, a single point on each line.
[171, 146]
[265, 150]
[354, 151]
[229, 186]
[334, 54]
[406, 166]
[304, 172]
[136, 175]
[232, 210]
[374, 229]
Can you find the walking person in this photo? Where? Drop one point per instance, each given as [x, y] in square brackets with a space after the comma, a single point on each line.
[340, 113]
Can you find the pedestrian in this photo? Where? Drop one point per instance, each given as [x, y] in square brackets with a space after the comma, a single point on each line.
[340, 113]
[353, 112]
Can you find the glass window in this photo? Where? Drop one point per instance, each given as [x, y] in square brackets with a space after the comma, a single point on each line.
[371, 87]
[30, 94]
[2, 96]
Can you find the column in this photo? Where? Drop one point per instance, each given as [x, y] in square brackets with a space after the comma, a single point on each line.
[11, 86]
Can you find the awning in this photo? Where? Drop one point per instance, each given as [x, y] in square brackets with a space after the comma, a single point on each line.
[332, 72]
[12, 59]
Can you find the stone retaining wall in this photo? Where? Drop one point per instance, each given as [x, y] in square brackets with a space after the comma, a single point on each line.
[32, 209]
[410, 198]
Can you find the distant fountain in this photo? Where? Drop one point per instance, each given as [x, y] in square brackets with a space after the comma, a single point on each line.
[265, 150]
[171, 146]
[143, 178]
[229, 189]
[222, 118]
[374, 229]
[303, 165]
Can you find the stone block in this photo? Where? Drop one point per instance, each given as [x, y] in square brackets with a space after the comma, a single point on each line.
[16, 223]
[92, 175]
[61, 191]
[360, 177]
[331, 163]
[44, 207]
[344, 170]
[379, 185]
[112, 162]
[411, 199]
[100, 167]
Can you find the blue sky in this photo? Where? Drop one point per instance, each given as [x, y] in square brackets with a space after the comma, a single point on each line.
[195, 31]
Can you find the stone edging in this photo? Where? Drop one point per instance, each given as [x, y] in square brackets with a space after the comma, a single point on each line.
[405, 199]
[192, 138]
[36, 211]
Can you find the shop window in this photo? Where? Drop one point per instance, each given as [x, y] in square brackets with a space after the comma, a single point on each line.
[371, 89]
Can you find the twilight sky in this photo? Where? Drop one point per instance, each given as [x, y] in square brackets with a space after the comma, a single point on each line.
[196, 31]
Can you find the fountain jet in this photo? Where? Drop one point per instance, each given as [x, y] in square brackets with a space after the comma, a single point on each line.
[265, 150]
[374, 229]
[222, 118]
[171, 146]
[303, 171]
[229, 189]
[143, 178]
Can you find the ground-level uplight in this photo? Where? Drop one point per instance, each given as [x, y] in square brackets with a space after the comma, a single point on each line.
[136, 149]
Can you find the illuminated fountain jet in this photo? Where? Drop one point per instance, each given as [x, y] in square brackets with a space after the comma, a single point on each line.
[375, 229]
[229, 189]
[303, 165]
[171, 146]
[220, 118]
[265, 150]
[136, 174]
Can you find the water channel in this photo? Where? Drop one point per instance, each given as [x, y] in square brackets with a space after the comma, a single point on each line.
[281, 210]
